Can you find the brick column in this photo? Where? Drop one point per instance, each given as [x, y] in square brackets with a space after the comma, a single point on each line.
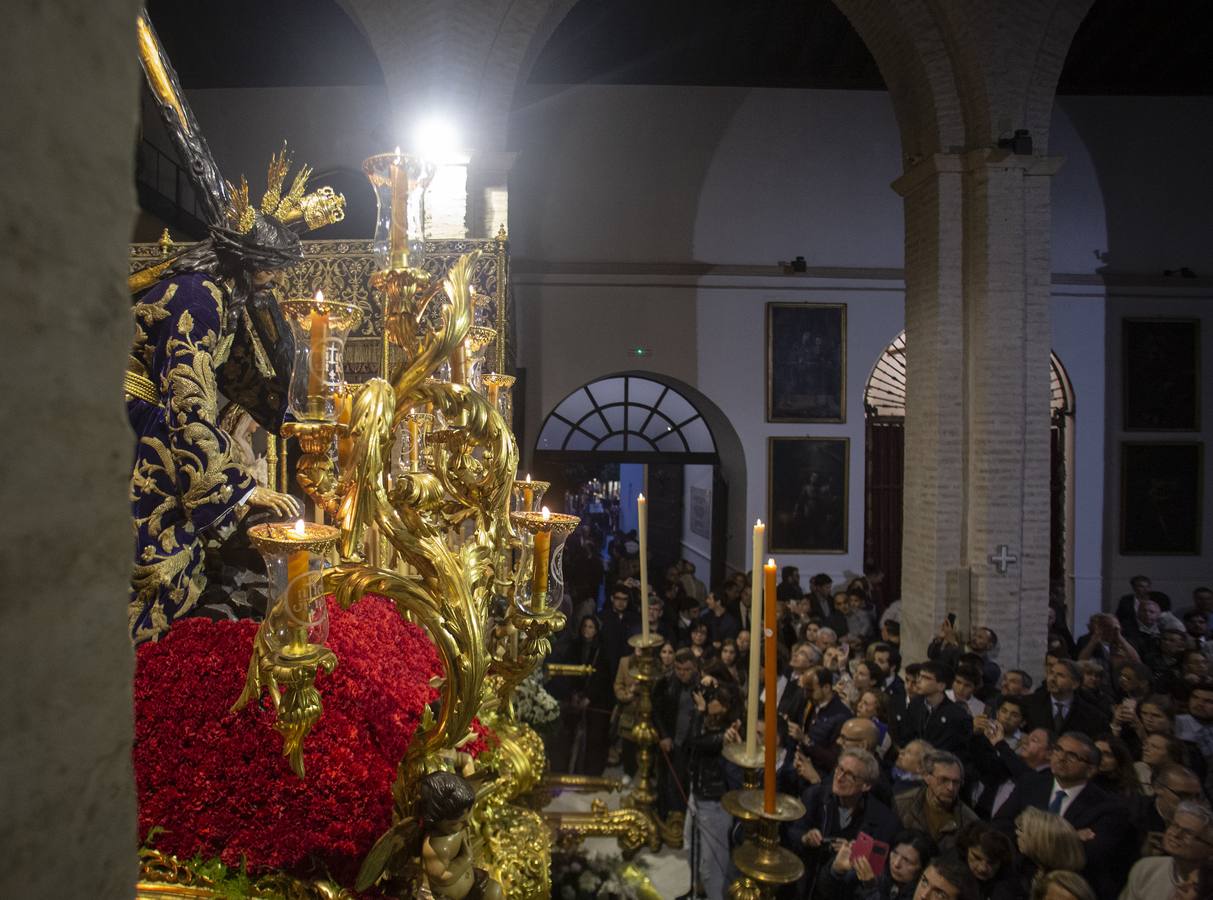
[1007, 404]
[934, 467]
[977, 398]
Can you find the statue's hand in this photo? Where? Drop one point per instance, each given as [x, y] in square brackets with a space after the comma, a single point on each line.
[281, 504]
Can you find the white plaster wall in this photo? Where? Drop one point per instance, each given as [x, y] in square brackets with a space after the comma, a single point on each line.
[1077, 319]
[731, 372]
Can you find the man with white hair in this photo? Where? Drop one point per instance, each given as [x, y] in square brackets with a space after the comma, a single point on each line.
[936, 807]
[1187, 842]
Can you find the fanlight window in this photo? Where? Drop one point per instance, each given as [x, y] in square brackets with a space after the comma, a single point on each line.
[885, 396]
[626, 413]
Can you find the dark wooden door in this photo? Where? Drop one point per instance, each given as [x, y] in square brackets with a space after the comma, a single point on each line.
[884, 496]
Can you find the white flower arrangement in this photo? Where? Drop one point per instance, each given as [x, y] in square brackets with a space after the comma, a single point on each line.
[533, 704]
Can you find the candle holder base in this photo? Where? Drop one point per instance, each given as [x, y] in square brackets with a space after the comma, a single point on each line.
[765, 866]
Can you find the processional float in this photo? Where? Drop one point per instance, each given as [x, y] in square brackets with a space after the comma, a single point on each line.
[412, 478]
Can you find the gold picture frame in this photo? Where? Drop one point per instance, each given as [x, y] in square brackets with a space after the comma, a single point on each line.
[806, 362]
[808, 494]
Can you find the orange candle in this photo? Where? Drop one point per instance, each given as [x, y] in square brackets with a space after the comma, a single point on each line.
[492, 390]
[413, 454]
[543, 546]
[528, 494]
[318, 334]
[398, 234]
[297, 582]
[771, 664]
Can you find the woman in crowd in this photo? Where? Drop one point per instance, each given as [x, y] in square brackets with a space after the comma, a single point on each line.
[865, 676]
[699, 645]
[728, 657]
[1063, 885]
[853, 879]
[1157, 750]
[586, 702]
[1116, 774]
[1046, 843]
[990, 857]
[666, 657]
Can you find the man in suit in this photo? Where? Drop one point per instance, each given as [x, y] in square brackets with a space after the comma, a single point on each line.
[838, 809]
[932, 717]
[1101, 820]
[999, 765]
[1059, 708]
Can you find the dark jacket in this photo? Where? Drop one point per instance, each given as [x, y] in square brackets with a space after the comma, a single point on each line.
[1082, 716]
[821, 812]
[946, 727]
[708, 781]
[910, 807]
[1110, 853]
[821, 728]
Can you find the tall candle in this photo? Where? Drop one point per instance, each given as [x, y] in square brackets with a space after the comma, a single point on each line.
[297, 583]
[543, 546]
[398, 235]
[414, 456]
[751, 721]
[492, 392]
[772, 672]
[528, 494]
[318, 335]
[345, 412]
[642, 515]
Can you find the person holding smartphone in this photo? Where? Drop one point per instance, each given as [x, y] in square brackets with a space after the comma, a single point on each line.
[852, 876]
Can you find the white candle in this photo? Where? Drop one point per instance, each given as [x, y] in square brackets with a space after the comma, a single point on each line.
[751, 718]
[642, 513]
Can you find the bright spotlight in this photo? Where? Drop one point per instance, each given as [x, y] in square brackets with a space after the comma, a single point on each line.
[436, 138]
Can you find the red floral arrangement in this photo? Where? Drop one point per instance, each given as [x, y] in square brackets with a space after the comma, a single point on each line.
[214, 784]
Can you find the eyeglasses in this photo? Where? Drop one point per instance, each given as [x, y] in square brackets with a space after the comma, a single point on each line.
[1072, 757]
[852, 777]
[1186, 835]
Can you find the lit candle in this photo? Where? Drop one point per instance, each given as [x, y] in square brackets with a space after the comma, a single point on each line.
[318, 334]
[398, 235]
[543, 545]
[528, 494]
[751, 721]
[772, 666]
[642, 515]
[296, 578]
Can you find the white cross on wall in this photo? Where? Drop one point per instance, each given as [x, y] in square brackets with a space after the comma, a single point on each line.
[1002, 559]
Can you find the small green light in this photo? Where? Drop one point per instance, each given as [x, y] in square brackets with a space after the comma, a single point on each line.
[639, 352]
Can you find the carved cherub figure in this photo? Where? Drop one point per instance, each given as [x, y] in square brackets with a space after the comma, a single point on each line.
[446, 853]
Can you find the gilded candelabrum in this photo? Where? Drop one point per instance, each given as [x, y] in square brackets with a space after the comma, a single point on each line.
[751, 765]
[765, 866]
[643, 796]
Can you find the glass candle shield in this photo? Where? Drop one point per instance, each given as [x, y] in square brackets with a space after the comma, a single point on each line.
[498, 390]
[320, 328]
[528, 495]
[540, 581]
[294, 562]
[399, 181]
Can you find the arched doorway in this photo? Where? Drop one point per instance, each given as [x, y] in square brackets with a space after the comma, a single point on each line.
[884, 402]
[621, 434]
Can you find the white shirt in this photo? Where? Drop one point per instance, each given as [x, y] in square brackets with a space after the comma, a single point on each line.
[1071, 794]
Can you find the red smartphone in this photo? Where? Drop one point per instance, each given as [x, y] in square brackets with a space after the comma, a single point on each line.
[874, 851]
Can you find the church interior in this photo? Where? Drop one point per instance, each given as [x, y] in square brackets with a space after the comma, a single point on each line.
[447, 425]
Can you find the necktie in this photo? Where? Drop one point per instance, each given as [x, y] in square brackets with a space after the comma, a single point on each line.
[1058, 799]
[1059, 718]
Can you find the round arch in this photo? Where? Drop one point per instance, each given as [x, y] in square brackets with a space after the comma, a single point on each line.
[651, 418]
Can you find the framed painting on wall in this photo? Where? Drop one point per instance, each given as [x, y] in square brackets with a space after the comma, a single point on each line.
[1161, 486]
[807, 494]
[1161, 374]
[806, 357]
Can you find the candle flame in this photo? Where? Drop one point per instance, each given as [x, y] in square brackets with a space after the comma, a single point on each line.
[758, 523]
[528, 476]
[547, 514]
[319, 296]
[397, 153]
[771, 562]
[640, 498]
[300, 529]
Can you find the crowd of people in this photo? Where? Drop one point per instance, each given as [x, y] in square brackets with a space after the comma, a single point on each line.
[943, 778]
